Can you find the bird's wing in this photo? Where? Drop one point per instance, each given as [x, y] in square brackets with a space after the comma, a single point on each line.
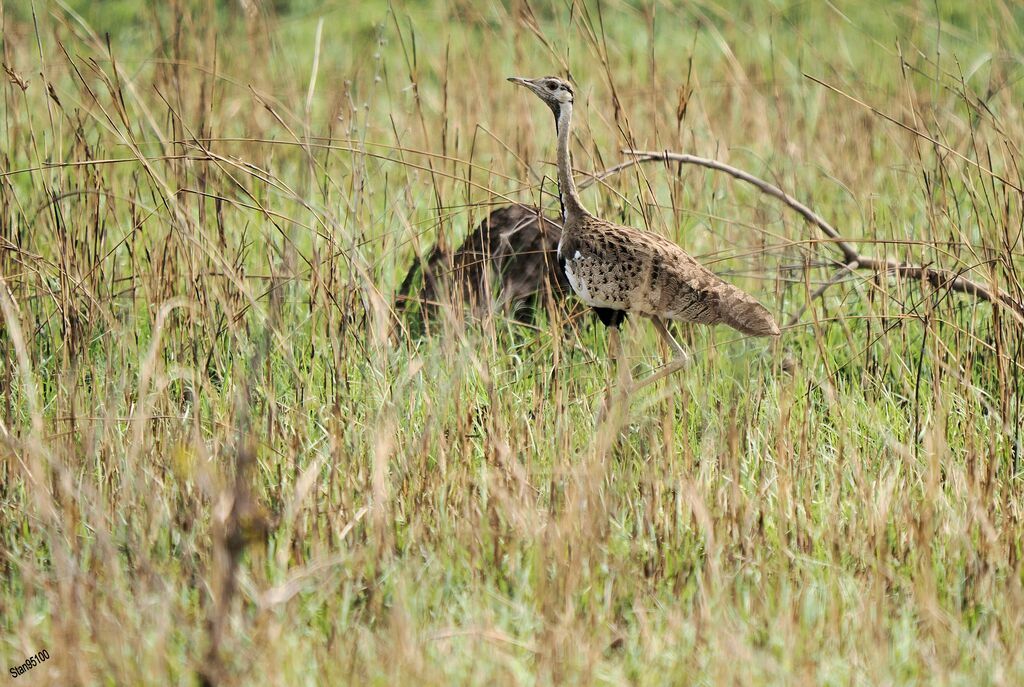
[672, 283]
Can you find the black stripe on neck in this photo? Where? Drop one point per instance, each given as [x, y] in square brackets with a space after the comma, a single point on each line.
[556, 110]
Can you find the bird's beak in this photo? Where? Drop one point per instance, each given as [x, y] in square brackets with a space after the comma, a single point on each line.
[519, 80]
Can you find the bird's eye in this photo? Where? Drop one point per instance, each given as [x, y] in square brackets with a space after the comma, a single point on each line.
[552, 85]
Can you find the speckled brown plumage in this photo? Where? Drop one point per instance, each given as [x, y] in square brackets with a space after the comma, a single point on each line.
[622, 268]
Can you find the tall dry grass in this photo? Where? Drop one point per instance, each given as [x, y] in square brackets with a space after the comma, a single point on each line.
[227, 460]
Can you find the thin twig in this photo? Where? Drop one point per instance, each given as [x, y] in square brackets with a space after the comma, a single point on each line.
[835, 278]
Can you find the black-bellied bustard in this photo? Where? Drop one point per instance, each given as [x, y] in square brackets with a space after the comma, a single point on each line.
[618, 270]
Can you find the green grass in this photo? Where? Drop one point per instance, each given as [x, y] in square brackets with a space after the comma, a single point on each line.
[225, 457]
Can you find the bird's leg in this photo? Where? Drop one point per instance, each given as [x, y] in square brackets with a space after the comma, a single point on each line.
[677, 349]
[679, 357]
[621, 366]
[613, 400]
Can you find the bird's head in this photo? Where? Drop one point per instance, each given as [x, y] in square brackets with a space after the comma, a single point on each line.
[552, 90]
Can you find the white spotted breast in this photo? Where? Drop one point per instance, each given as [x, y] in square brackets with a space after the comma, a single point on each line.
[596, 282]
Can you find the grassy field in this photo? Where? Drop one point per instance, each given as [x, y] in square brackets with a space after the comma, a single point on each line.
[225, 458]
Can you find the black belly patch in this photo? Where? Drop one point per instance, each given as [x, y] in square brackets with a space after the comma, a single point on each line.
[610, 317]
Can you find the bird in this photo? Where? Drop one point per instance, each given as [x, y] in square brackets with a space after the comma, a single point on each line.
[619, 270]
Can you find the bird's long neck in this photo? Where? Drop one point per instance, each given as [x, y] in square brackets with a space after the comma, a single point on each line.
[567, 194]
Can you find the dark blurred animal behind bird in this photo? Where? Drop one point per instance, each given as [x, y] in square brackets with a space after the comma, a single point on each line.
[507, 263]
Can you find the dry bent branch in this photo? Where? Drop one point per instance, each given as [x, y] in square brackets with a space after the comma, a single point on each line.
[853, 259]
